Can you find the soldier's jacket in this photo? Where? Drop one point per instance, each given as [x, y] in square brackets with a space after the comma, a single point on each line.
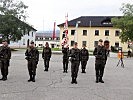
[5, 53]
[84, 54]
[75, 55]
[32, 53]
[65, 52]
[46, 54]
[100, 54]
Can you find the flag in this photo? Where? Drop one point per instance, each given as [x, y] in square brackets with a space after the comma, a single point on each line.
[53, 37]
[65, 33]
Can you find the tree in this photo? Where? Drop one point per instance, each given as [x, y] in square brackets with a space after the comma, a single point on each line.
[12, 13]
[125, 23]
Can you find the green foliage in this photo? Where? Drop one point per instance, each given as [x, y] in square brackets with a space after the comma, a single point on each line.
[13, 7]
[56, 49]
[11, 14]
[125, 23]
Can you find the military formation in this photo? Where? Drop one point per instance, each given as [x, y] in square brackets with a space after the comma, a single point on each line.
[74, 55]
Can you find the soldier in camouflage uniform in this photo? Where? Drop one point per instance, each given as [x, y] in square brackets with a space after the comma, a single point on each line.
[46, 55]
[65, 51]
[84, 58]
[32, 56]
[5, 56]
[75, 62]
[100, 55]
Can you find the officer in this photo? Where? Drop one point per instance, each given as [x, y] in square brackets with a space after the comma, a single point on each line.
[100, 55]
[46, 55]
[32, 56]
[5, 56]
[65, 51]
[75, 61]
[84, 58]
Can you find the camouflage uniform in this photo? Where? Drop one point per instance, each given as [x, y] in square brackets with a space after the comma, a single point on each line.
[84, 59]
[100, 54]
[5, 56]
[32, 56]
[65, 52]
[46, 55]
[75, 62]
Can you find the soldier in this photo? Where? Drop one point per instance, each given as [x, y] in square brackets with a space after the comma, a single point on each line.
[32, 56]
[65, 51]
[46, 55]
[75, 61]
[84, 58]
[100, 54]
[5, 56]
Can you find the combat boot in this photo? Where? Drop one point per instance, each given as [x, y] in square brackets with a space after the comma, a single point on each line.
[75, 81]
[101, 80]
[30, 78]
[4, 78]
[33, 79]
[72, 80]
[97, 79]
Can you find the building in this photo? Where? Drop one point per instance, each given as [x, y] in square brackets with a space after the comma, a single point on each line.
[25, 40]
[42, 38]
[92, 28]
[26, 32]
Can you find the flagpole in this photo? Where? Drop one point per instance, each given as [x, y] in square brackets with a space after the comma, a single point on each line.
[76, 34]
[43, 32]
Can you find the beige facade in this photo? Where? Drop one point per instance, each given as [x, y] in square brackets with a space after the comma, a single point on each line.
[92, 34]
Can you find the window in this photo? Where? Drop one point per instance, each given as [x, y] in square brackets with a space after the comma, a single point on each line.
[85, 32]
[41, 38]
[72, 43]
[96, 32]
[84, 43]
[23, 41]
[32, 34]
[46, 38]
[72, 32]
[28, 33]
[40, 44]
[95, 43]
[106, 32]
[116, 44]
[117, 33]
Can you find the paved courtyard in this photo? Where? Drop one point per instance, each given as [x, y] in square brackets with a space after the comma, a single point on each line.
[55, 85]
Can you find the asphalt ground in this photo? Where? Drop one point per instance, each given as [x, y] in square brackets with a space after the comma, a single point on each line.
[56, 85]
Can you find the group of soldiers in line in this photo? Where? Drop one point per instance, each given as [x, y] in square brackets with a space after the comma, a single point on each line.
[76, 56]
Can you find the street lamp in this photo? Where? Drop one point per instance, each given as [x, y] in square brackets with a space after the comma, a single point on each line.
[76, 34]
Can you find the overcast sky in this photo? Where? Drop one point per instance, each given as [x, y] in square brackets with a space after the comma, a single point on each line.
[43, 13]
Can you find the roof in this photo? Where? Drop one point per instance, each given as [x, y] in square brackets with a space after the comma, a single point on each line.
[47, 34]
[91, 21]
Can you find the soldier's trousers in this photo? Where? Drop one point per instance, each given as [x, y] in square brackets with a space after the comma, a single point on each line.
[32, 67]
[65, 64]
[83, 64]
[4, 67]
[74, 68]
[99, 68]
[46, 64]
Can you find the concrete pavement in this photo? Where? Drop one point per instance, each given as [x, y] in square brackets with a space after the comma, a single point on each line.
[55, 85]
